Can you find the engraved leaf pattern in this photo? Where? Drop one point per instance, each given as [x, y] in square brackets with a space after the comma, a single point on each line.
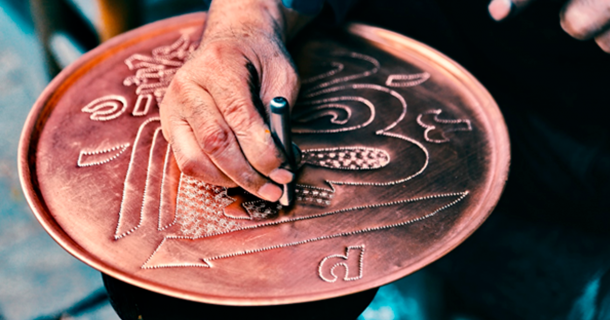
[347, 158]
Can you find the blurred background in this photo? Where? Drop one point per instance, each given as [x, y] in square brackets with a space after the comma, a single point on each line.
[38, 279]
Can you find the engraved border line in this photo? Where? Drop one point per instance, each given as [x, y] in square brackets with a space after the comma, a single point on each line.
[429, 128]
[165, 165]
[366, 102]
[148, 175]
[460, 195]
[133, 152]
[338, 68]
[79, 163]
[364, 74]
[136, 110]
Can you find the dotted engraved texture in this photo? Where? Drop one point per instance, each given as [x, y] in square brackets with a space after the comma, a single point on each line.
[375, 196]
[406, 80]
[155, 72]
[142, 108]
[199, 211]
[441, 126]
[314, 195]
[168, 243]
[328, 106]
[107, 154]
[329, 264]
[200, 219]
[261, 209]
[167, 214]
[200, 208]
[106, 108]
[138, 179]
[347, 158]
[337, 67]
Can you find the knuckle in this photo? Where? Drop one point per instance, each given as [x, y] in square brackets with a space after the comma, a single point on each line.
[197, 107]
[238, 115]
[170, 124]
[187, 165]
[180, 82]
[178, 91]
[265, 162]
[217, 51]
[250, 180]
[216, 140]
[188, 102]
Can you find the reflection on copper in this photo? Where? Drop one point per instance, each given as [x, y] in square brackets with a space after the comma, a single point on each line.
[405, 154]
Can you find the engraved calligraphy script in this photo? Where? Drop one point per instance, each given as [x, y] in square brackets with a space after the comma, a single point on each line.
[359, 140]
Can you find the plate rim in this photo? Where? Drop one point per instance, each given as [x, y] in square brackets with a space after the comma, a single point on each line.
[54, 90]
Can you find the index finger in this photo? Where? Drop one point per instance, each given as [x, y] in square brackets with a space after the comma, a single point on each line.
[217, 141]
[234, 95]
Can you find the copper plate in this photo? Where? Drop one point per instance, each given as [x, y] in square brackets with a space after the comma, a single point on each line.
[405, 155]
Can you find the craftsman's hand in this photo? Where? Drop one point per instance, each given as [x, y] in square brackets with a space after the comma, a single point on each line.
[209, 112]
[582, 19]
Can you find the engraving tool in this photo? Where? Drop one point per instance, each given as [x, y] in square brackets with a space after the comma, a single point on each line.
[279, 123]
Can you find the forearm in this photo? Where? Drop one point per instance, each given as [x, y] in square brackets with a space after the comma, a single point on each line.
[251, 18]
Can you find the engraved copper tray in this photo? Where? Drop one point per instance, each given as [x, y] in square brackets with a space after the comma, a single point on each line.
[405, 155]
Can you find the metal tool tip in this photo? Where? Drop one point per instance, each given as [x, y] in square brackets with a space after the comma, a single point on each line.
[278, 104]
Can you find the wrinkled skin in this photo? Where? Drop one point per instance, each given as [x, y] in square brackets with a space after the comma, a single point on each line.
[210, 115]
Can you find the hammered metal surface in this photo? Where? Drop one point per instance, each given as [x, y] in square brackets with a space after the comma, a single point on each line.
[405, 155]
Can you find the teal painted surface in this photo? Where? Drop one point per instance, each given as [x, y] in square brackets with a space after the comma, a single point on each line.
[415, 297]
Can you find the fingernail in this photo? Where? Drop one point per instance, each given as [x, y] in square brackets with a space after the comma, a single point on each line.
[282, 176]
[499, 9]
[270, 192]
